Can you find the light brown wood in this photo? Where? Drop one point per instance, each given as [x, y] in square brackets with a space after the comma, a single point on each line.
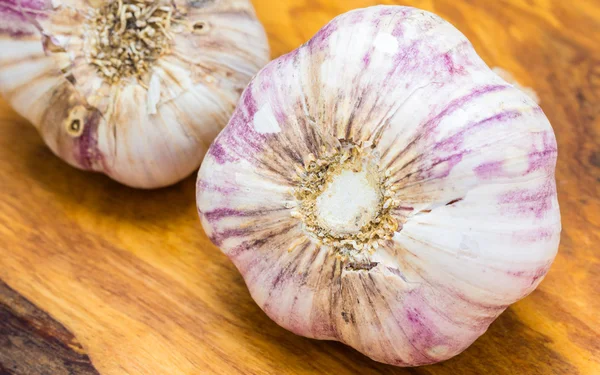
[132, 276]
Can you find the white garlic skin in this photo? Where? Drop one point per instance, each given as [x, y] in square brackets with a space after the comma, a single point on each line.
[142, 137]
[472, 159]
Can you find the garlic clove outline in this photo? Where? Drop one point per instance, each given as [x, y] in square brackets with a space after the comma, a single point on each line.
[397, 100]
[144, 130]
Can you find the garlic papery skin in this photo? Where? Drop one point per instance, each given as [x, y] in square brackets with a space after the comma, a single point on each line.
[136, 89]
[382, 187]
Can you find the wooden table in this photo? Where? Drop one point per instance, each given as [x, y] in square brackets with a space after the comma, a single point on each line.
[100, 278]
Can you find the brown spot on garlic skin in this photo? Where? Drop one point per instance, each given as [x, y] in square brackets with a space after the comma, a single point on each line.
[75, 126]
[51, 45]
[75, 122]
[201, 27]
[75, 139]
[87, 152]
[361, 266]
[454, 201]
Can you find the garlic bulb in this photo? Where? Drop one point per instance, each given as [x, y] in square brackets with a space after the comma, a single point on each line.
[505, 75]
[382, 187]
[136, 89]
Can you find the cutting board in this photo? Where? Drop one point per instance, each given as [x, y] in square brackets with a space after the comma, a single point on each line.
[98, 278]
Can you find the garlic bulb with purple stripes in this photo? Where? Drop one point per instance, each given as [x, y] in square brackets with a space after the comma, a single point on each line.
[382, 187]
[136, 89]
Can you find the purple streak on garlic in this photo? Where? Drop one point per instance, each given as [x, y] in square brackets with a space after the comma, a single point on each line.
[382, 187]
[136, 89]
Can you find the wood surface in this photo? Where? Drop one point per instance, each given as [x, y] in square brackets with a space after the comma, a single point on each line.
[32, 342]
[129, 279]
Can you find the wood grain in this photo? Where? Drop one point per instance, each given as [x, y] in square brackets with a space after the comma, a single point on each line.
[33, 343]
[132, 276]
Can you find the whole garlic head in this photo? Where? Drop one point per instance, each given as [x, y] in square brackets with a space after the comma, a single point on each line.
[382, 187]
[136, 89]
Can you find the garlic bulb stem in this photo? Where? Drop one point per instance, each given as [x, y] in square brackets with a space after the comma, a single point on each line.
[127, 37]
[324, 193]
